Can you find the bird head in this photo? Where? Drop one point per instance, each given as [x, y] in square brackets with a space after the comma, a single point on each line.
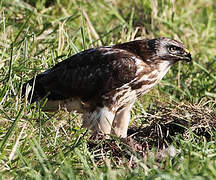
[170, 50]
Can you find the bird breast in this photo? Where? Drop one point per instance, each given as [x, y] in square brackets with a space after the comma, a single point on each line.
[148, 77]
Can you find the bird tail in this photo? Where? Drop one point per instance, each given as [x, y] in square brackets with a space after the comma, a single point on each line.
[33, 91]
[28, 91]
[38, 88]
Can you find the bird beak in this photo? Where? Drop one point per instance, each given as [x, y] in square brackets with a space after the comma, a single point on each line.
[187, 56]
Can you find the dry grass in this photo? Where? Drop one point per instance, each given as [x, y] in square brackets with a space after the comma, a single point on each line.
[161, 125]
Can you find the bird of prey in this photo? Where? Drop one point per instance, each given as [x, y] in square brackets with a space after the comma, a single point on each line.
[103, 83]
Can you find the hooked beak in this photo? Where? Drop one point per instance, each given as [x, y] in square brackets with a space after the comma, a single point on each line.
[187, 56]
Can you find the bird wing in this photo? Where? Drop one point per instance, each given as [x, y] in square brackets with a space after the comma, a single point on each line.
[88, 74]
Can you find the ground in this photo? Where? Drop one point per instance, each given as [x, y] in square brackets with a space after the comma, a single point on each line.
[172, 130]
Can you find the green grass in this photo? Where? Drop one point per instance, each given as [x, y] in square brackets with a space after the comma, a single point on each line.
[35, 35]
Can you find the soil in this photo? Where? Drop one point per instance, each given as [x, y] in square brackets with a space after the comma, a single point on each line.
[164, 123]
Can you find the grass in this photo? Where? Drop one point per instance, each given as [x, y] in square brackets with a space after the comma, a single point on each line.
[35, 35]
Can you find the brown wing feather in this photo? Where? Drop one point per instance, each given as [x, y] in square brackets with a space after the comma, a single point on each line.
[87, 74]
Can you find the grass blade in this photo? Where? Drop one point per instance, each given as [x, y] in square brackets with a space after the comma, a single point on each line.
[9, 132]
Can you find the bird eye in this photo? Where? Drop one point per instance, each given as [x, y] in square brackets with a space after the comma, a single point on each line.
[173, 48]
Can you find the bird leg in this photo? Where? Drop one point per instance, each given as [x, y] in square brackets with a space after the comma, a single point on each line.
[99, 121]
[121, 121]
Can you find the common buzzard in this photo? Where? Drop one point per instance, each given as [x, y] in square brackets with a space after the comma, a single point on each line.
[103, 83]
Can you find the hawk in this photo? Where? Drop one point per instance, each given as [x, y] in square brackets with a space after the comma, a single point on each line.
[103, 83]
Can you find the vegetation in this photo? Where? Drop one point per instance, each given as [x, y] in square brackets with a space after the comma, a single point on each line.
[35, 35]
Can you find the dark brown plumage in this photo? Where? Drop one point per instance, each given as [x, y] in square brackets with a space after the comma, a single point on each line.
[104, 82]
